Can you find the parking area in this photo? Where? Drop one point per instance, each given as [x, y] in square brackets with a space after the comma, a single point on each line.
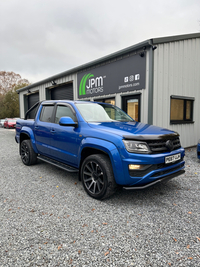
[48, 220]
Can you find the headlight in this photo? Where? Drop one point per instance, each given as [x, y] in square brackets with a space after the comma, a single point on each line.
[136, 146]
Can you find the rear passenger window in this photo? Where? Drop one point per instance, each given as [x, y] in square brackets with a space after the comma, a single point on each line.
[46, 113]
[64, 111]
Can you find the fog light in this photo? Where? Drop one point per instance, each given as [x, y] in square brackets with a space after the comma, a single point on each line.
[138, 167]
[134, 167]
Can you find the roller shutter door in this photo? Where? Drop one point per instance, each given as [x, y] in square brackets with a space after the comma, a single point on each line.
[62, 92]
[32, 99]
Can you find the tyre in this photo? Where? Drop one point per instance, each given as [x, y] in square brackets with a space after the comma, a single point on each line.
[97, 176]
[28, 155]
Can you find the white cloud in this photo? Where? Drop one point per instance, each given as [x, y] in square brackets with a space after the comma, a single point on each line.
[43, 38]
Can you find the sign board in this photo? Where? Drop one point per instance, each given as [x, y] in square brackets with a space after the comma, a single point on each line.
[127, 74]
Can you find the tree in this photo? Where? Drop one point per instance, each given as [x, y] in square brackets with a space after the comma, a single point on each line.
[9, 79]
[9, 102]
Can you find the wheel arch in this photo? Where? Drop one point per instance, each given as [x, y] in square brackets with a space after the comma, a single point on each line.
[27, 134]
[92, 146]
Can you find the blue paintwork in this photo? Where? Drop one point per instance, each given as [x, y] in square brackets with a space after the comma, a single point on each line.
[198, 149]
[66, 143]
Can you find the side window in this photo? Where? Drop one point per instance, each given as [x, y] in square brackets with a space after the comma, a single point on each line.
[64, 111]
[46, 113]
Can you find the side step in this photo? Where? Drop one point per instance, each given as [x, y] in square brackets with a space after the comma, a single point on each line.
[57, 164]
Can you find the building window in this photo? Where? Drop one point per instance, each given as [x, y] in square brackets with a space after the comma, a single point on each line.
[181, 110]
[108, 101]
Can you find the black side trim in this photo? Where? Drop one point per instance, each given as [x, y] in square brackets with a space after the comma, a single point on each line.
[166, 178]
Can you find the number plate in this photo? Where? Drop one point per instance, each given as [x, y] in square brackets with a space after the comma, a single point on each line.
[173, 158]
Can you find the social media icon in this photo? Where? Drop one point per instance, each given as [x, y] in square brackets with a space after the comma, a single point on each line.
[125, 79]
[137, 77]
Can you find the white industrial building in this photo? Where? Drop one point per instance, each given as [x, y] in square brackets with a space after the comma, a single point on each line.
[156, 81]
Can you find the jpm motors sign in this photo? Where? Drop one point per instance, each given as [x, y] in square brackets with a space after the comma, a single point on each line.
[127, 74]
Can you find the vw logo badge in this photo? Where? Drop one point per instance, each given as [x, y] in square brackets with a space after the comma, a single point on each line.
[169, 145]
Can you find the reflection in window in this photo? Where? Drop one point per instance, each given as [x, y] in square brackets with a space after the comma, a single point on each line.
[46, 113]
[188, 110]
[177, 109]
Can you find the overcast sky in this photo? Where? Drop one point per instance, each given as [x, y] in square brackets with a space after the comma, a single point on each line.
[40, 38]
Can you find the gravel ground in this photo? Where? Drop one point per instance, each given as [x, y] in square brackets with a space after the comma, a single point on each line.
[48, 220]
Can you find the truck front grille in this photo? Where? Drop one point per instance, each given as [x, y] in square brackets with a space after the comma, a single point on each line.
[159, 146]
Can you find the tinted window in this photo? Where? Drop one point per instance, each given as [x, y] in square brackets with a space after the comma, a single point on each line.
[46, 113]
[64, 111]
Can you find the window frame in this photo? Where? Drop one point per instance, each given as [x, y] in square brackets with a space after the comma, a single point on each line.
[185, 99]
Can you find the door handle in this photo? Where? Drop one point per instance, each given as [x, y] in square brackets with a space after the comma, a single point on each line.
[36, 127]
[53, 131]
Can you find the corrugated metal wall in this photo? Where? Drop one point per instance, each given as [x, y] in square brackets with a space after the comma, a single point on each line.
[177, 72]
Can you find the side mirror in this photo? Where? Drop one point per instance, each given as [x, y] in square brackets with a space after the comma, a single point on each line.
[67, 121]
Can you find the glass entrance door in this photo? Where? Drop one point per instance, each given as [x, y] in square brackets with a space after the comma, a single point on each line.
[131, 105]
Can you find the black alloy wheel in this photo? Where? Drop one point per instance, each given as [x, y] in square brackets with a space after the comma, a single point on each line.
[93, 177]
[97, 176]
[28, 155]
[24, 153]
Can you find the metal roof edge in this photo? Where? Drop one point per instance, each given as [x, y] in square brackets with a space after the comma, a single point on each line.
[87, 65]
[174, 38]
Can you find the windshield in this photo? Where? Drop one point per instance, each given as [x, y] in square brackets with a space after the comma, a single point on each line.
[100, 112]
[11, 120]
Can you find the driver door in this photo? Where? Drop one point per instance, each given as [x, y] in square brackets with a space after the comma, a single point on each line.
[65, 139]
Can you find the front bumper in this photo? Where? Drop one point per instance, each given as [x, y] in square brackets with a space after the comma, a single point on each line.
[11, 126]
[166, 178]
[156, 171]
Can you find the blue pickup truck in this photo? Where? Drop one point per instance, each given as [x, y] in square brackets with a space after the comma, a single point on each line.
[100, 142]
[198, 149]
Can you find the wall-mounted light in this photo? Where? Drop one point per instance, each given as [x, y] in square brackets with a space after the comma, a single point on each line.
[53, 83]
[142, 53]
[28, 91]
